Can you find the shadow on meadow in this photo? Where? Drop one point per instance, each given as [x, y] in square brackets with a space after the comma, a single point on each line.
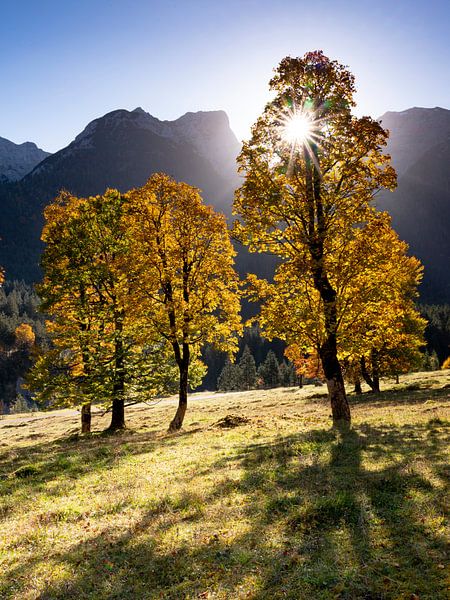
[29, 469]
[318, 525]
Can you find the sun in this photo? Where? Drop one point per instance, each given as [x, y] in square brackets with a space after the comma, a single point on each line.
[297, 128]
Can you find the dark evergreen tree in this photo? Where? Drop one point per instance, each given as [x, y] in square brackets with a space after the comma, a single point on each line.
[437, 332]
[434, 361]
[230, 379]
[247, 366]
[288, 376]
[269, 371]
[18, 305]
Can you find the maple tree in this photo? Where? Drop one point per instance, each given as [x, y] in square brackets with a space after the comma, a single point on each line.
[311, 171]
[86, 292]
[187, 291]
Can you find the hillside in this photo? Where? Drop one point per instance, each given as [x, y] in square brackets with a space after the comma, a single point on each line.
[278, 507]
[16, 160]
[420, 207]
[121, 150]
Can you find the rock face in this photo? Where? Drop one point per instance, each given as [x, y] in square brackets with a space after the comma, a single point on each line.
[420, 207]
[120, 150]
[413, 133]
[123, 148]
[16, 160]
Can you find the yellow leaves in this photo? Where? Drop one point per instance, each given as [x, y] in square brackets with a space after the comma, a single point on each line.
[311, 204]
[183, 259]
[24, 335]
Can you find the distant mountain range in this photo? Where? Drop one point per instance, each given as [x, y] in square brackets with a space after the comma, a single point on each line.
[123, 148]
[420, 207]
[16, 160]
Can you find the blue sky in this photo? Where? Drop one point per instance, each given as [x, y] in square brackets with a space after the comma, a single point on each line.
[64, 63]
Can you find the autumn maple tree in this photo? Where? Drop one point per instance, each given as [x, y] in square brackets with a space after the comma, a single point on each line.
[87, 293]
[182, 262]
[311, 171]
[83, 292]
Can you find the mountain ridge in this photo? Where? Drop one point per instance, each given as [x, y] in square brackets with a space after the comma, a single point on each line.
[16, 160]
[123, 148]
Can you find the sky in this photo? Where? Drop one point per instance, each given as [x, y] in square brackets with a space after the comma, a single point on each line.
[64, 63]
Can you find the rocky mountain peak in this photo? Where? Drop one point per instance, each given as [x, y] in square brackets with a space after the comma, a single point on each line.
[16, 160]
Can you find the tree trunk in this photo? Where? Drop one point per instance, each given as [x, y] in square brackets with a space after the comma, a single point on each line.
[117, 415]
[316, 231]
[86, 418]
[118, 405]
[300, 381]
[358, 388]
[177, 421]
[374, 381]
[375, 372]
[397, 380]
[335, 382]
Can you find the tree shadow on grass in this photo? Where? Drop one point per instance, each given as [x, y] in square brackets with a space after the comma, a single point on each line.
[327, 515]
[28, 470]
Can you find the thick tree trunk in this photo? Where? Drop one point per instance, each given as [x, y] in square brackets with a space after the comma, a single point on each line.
[300, 381]
[177, 421]
[118, 405]
[317, 232]
[86, 418]
[335, 382]
[117, 415]
[358, 388]
[397, 380]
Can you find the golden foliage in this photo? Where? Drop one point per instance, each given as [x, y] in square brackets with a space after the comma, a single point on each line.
[182, 262]
[345, 284]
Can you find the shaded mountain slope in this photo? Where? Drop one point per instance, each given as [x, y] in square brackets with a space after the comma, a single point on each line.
[121, 150]
[16, 160]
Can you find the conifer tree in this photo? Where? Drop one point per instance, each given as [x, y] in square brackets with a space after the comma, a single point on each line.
[247, 366]
[230, 378]
[269, 371]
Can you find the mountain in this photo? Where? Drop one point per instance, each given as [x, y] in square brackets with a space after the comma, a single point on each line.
[121, 150]
[420, 206]
[413, 132]
[16, 160]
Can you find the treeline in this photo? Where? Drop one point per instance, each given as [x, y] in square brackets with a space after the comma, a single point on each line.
[22, 331]
[245, 375]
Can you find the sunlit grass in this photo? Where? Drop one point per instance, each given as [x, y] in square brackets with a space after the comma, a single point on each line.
[279, 507]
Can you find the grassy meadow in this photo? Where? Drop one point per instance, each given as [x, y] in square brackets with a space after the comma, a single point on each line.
[279, 506]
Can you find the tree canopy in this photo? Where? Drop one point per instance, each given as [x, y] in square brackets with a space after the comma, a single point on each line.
[311, 172]
[187, 291]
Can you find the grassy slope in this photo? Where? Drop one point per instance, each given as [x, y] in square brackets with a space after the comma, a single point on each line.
[281, 507]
